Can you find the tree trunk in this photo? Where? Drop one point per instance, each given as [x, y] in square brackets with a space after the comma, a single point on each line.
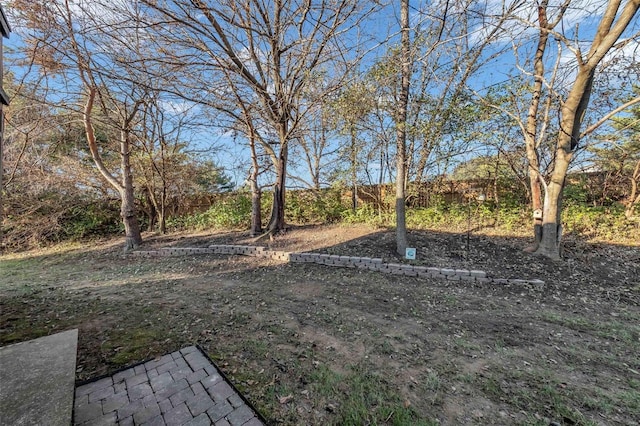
[277, 222]
[536, 206]
[572, 113]
[162, 213]
[1, 169]
[152, 212]
[634, 196]
[531, 127]
[125, 188]
[354, 172]
[133, 238]
[256, 209]
[551, 228]
[256, 195]
[162, 220]
[401, 132]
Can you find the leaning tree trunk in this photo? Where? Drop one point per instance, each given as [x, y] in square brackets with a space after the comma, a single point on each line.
[124, 188]
[572, 113]
[612, 24]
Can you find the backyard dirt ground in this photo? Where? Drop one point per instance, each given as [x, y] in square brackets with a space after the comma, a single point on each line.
[312, 344]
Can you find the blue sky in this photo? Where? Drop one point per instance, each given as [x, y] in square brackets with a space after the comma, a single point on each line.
[577, 26]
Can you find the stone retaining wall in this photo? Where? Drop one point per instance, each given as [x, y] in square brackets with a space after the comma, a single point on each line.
[373, 264]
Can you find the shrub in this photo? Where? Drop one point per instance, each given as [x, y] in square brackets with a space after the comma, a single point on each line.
[606, 223]
[94, 219]
[233, 211]
[367, 214]
[323, 206]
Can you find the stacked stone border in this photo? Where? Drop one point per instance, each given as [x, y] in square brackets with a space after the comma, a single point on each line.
[373, 264]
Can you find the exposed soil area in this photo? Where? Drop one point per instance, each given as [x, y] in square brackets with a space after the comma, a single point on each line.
[312, 344]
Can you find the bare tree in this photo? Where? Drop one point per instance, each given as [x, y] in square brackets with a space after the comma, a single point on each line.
[272, 49]
[559, 98]
[65, 41]
[615, 18]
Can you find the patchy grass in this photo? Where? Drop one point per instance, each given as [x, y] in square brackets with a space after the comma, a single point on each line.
[368, 397]
[309, 344]
[627, 333]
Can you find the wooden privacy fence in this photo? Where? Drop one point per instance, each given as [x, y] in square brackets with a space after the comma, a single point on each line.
[595, 187]
[428, 194]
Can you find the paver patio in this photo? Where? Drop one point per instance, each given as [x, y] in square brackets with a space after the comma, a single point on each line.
[181, 388]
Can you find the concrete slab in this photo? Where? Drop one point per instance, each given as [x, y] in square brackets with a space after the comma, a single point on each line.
[37, 380]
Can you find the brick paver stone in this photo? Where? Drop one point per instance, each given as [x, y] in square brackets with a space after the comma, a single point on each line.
[140, 391]
[188, 350]
[149, 400]
[137, 379]
[201, 420]
[181, 396]
[120, 387]
[125, 374]
[178, 415]
[88, 412]
[114, 402]
[171, 365]
[240, 415]
[106, 420]
[220, 391]
[126, 422]
[212, 380]
[130, 409]
[80, 400]
[165, 405]
[222, 422]
[219, 410]
[196, 360]
[156, 421]
[172, 389]
[161, 381]
[199, 403]
[198, 388]
[94, 386]
[101, 394]
[181, 363]
[196, 376]
[180, 372]
[235, 400]
[146, 414]
[155, 363]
